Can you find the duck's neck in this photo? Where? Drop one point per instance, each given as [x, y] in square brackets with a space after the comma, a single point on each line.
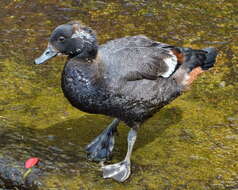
[85, 70]
[89, 51]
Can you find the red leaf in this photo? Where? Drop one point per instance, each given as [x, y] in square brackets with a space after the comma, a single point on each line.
[31, 162]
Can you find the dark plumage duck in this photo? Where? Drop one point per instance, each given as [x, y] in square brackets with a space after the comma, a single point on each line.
[129, 79]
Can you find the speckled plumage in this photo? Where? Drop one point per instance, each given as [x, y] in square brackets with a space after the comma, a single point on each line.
[129, 78]
[122, 81]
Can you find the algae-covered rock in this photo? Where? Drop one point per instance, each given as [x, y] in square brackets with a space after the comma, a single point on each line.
[168, 154]
[17, 145]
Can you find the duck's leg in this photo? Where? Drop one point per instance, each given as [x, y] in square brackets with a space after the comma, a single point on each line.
[122, 170]
[101, 147]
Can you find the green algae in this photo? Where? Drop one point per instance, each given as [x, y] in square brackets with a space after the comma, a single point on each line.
[190, 144]
[27, 99]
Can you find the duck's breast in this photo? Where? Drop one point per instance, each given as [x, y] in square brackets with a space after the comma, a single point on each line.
[82, 88]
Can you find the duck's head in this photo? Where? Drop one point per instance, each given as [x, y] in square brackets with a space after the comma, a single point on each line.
[72, 39]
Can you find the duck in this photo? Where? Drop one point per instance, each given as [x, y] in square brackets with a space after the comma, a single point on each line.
[128, 79]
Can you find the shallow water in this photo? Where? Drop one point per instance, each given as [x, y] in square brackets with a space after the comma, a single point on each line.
[190, 144]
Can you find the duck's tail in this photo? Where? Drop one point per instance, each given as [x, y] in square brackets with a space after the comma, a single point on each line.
[211, 54]
[193, 63]
[204, 58]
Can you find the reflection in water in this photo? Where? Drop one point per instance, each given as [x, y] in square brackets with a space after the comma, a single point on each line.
[176, 145]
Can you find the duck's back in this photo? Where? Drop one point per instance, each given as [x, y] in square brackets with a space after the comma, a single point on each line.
[137, 66]
[136, 71]
[138, 55]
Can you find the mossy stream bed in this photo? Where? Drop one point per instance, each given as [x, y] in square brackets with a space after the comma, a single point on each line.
[190, 144]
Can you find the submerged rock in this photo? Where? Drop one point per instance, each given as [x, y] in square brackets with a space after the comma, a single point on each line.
[19, 144]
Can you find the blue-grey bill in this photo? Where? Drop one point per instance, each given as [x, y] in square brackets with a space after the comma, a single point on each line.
[48, 54]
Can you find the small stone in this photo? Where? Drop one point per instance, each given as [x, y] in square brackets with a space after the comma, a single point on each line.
[232, 119]
[222, 84]
[196, 157]
[232, 137]
[51, 137]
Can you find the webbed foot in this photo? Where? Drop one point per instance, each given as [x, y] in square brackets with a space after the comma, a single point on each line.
[119, 171]
[100, 149]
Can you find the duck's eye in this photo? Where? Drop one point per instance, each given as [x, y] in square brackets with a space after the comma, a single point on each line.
[61, 38]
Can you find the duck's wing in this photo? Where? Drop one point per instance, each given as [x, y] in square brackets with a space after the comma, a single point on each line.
[138, 57]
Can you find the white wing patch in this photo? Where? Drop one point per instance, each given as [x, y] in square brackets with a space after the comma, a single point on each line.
[171, 62]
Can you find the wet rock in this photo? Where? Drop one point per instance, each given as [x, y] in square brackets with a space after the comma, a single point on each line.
[12, 171]
[17, 145]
